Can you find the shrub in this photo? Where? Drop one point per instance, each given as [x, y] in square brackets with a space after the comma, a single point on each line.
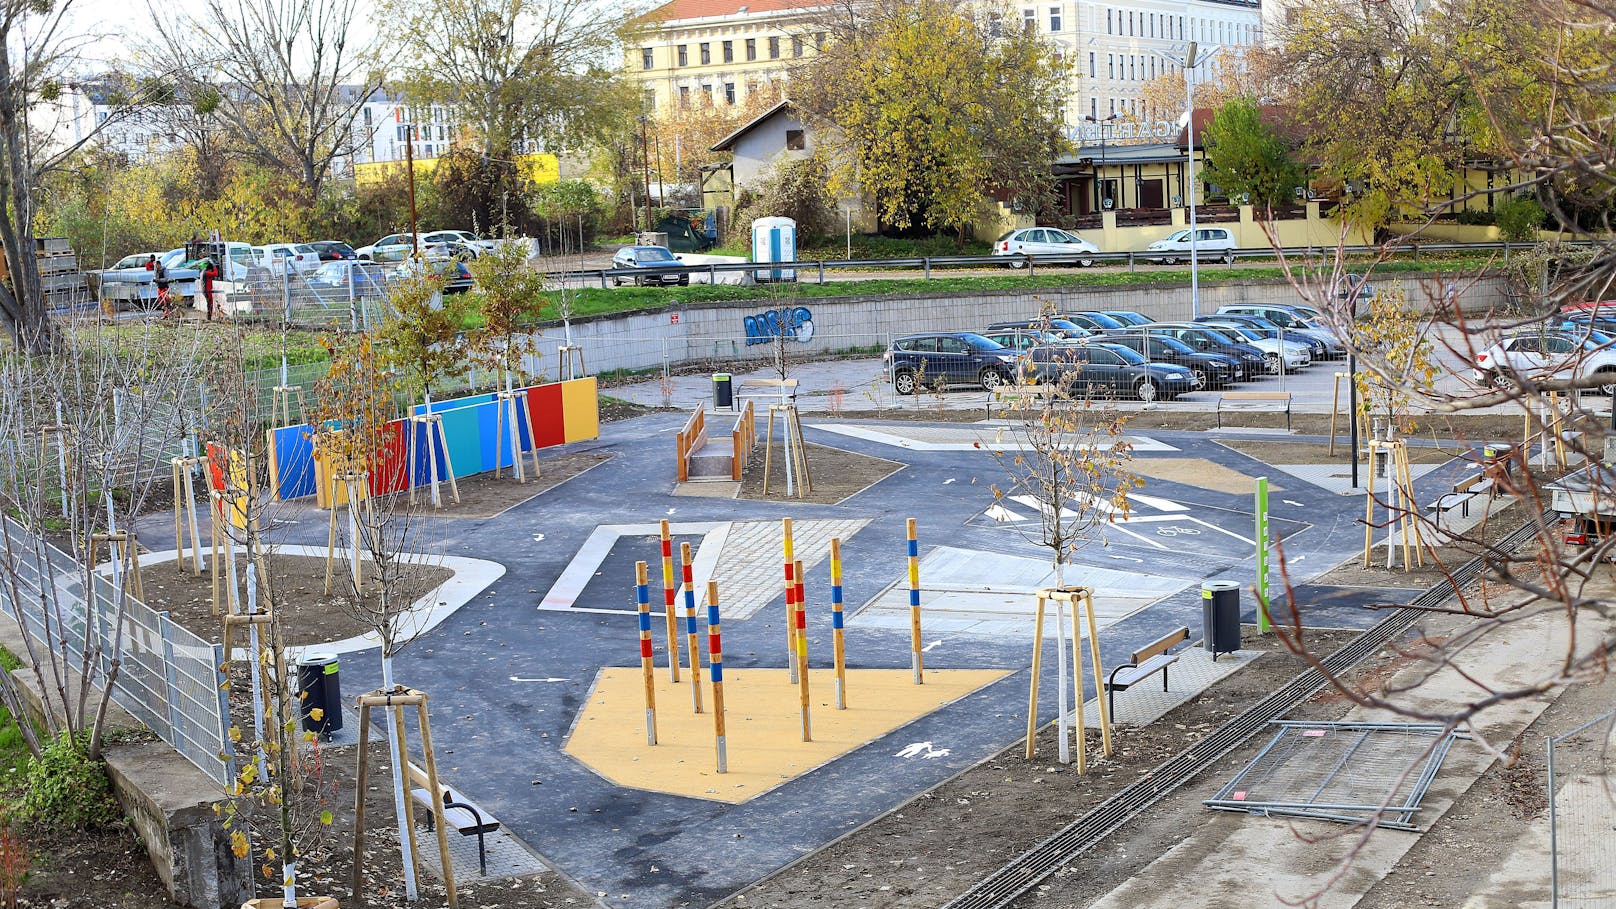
[1475, 216]
[795, 190]
[68, 789]
[1518, 219]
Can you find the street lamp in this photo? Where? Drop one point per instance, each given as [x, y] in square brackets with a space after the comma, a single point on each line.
[1189, 61]
[1099, 179]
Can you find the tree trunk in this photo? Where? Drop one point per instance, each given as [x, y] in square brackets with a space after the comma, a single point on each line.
[393, 732]
[26, 317]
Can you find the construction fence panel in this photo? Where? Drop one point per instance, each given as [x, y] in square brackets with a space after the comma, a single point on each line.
[1582, 814]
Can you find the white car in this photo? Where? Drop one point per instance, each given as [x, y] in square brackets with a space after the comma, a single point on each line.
[1297, 354]
[279, 257]
[1210, 243]
[136, 260]
[1043, 243]
[449, 242]
[1540, 355]
[393, 247]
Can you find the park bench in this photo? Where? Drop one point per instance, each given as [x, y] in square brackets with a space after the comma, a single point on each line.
[1011, 394]
[459, 813]
[1152, 658]
[1265, 401]
[1463, 491]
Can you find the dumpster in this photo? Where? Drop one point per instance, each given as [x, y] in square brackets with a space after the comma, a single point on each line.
[1220, 617]
[320, 688]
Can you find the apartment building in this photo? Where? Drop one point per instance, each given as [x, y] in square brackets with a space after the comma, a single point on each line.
[720, 51]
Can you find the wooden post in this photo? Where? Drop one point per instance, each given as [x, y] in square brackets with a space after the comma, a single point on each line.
[434, 436]
[668, 598]
[688, 571]
[1335, 407]
[437, 798]
[916, 659]
[1099, 674]
[396, 700]
[179, 535]
[281, 403]
[802, 656]
[1037, 665]
[642, 593]
[838, 643]
[359, 799]
[508, 415]
[787, 544]
[715, 662]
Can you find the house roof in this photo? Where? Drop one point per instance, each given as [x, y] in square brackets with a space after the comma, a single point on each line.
[728, 142]
[707, 9]
[1275, 117]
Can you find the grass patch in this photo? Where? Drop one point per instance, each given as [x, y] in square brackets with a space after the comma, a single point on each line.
[13, 750]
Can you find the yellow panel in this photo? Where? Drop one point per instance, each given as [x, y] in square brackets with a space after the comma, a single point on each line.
[238, 480]
[326, 467]
[763, 725]
[580, 409]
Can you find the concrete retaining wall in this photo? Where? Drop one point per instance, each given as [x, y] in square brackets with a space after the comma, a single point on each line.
[718, 334]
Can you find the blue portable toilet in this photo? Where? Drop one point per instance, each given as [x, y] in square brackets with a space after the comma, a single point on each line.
[774, 240]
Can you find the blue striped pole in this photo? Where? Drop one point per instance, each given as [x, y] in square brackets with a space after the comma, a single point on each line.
[688, 571]
[715, 660]
[642, 593]
[667, 602]
[836, 621]
[914, 605]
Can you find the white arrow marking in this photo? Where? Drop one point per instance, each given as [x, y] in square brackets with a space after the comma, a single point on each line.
[930, 647]
[516, 678]
[922, 750]
[672, 510]
[538, 538]
[948, 481]
[1127, 558]
[1293, 503]
[1003, 515]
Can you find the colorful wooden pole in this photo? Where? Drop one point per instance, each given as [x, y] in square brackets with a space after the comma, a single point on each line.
[715, 663]
[836, 621]
[642, 593]
[668, 597]
[802, 654]
[791, 598]
[914, 605]
[688, 571]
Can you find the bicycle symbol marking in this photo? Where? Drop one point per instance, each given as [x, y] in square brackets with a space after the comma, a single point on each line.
[1177, 531]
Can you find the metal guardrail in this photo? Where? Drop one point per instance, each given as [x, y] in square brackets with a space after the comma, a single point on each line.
[818, 267]
[168, 678]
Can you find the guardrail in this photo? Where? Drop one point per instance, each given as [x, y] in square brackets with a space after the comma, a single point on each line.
[744, 438]
[926, 264]
[690, 440]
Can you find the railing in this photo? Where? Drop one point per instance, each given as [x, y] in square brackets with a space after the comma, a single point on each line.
[690, 440]
[167, 678]
[744, 438]
[813, 271]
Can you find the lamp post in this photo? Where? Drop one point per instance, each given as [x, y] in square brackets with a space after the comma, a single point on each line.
[645, 167]
[1189, 62]
[1099, 179]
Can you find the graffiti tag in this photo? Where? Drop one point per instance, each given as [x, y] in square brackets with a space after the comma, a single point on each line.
[790, 324]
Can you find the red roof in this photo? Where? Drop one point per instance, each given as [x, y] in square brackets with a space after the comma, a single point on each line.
[705, 9]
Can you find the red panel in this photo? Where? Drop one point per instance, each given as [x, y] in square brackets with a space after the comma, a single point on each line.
[216, 457]
[544, 408]
[390, 474]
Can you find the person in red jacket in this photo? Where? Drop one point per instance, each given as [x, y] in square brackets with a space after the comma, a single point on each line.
[210, 273]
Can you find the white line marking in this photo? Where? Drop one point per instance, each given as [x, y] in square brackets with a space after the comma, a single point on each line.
[515, 678]
[930, 647]
[1293, 503]
[1158, 504]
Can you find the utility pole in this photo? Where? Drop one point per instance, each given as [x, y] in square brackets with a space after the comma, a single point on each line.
[409, 165]
[645, 166]
[1190, 61]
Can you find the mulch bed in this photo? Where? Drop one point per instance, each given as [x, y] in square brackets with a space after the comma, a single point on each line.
[834, 474]
[486, 496]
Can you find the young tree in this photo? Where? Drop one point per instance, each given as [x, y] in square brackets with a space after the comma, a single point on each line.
[424, 332]
[513, 299]
[1247, 159]
[927, 109]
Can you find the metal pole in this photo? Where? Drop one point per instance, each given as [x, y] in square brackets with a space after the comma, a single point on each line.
[409, 166]
[1262, 555]
[645, 166]
[1190, 62]
[1352, 413]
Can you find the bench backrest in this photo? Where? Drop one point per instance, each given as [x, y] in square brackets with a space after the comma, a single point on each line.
[1161, 644]
[1256, 396]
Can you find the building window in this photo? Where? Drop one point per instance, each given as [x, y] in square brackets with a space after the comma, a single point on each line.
[706, 53]
[774, 48]
[684, 97]
[707, 94]
[647, 58]
[751, 48]
[1110, 66]
[819, 41]
[1029, 20]
[1091, 65]
[1054, 18]
[1113, 106]
[796, 47]
[1108, 22]
[367, 116]
[729, 51]
[684, 57]
[1094, 108]
[650, 99]
[794, 140]
[729, 92]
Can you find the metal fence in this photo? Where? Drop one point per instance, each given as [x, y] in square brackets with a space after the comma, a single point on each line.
[167, 678]
[1582, 814]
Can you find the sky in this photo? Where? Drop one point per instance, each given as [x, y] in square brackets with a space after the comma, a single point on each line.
[119, 25]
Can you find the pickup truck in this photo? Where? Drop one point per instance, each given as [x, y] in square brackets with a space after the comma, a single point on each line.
[238, 270]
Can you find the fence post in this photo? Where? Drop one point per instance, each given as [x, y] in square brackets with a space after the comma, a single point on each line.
[1130, 262]
[1506, 252]
[1029, 266]
[286, 293]
[925, 262]
[165, 630]
[603, 279]
[821, 271]
[227, 751]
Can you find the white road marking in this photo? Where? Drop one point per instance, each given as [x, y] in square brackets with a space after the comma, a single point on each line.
[948, 481]
[1003, 515]
[1158, 504]
[930, 647]
[1293, 503]
[516, 678]
[538, 538]
[922, 750]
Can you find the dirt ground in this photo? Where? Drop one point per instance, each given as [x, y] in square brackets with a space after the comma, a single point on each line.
[311, 616]
[1313, 453]
[486, 496]
[935, 847]
[835, 474]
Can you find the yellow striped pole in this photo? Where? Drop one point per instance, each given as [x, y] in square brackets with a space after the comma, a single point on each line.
[642, 594]
[715, 662]
[836, 621]
[688, 572]
[667, 602]
[791, 597]
[802, 654]
[914, 605]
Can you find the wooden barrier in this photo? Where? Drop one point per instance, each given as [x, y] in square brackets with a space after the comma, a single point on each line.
[691, 439]
[744, 438]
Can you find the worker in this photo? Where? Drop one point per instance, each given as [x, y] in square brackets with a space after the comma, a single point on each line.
[210, 272]
[151, 263]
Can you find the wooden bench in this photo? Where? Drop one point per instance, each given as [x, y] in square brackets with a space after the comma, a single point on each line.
[1153, 657]
[1266, 401]
[691, 439]
[784, 390]
[1463, 491]
[1017, 393]
[459, 813]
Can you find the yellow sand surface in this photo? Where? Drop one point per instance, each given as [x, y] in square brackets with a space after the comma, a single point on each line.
[763, 725]
[1195, 472]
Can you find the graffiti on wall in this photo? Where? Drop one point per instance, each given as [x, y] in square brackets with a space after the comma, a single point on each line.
[794, 323]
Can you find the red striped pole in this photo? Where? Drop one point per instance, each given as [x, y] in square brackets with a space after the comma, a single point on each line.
[715, 661]
[802, 654]
[642, 593]
[836, 622]
[914, 606]
[688, 572]
[791, 602]
[667, 602]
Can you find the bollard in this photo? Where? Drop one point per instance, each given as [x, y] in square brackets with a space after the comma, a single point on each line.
[688, 571]
[642, 593]
[715, 664]
[836, 621]
[668, 597]
[916, 659]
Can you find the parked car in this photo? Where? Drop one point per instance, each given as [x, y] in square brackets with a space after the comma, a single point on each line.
[333, 250]
[336, 279]
[1316, 349]
[1295, 354]
[1203, 337]
[281, 257]
[136, 260]
[1210, 243]
[1067, 330]
[1211, 370]
[1291, 321]
[1128, 316]
[947, 358]
[391, 248]
[1044, 244]
[1094, 321]
[1023, 339]
[1540, 355]
[1096, 368]
[458, 242]
[649, 258]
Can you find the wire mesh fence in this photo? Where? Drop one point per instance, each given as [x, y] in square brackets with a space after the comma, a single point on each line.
[163, 675]
[1582, 815]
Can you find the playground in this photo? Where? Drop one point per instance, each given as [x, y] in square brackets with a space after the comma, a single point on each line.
[664, 694]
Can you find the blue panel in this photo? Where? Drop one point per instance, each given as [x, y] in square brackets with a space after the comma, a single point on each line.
[294, 462]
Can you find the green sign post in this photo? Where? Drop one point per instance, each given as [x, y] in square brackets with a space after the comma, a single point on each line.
[1262, 555]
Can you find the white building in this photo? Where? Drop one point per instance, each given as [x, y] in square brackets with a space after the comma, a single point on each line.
[82, 109]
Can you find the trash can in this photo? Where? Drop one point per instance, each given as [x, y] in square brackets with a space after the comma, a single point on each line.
[320, 688]
[1220, 617]
[1495, 452]
[723, 391]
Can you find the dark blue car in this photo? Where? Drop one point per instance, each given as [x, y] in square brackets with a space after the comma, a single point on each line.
[947, 358]
[1104, 370]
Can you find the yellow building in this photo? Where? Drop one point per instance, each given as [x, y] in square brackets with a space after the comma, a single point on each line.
[536, 168]
[719, 52]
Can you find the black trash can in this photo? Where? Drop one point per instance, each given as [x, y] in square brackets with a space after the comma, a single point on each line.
[1220, 617]
[1500, 452]
[320, 688]
[723, 391]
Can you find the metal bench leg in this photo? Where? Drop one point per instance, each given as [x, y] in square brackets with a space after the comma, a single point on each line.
[1110, 701]
[1164, 678]
[482, 854]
